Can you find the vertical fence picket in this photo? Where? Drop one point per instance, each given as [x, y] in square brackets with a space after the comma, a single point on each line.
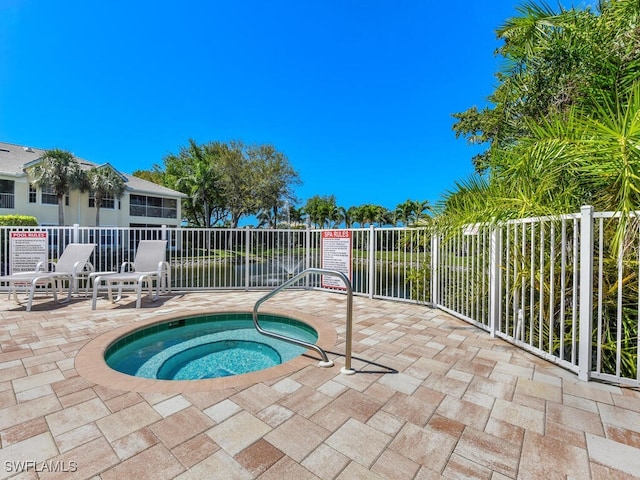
[585, 291]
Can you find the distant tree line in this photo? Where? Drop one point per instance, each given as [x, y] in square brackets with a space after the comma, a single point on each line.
[322, 211]
[225, 182]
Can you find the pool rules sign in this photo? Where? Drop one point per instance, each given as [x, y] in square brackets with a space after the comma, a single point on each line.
[336, 255]
[27, 250]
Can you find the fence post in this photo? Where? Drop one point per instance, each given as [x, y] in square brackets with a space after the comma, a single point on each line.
[247, 253]
[307, 249]
[435, 269]
[75, 233]
[586, 292]
[372, 260]
[495, 260]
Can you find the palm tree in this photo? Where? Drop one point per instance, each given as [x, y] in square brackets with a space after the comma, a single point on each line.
[103, 182]
[599, 148]
[334, 216]
[371, 214]
[383, 216]
[357, 215]
[195, 171]
[295, 215]
[60, 171]
[349, 216]
[266, 218]
[321, 210]
[422, 207]
[405, 212]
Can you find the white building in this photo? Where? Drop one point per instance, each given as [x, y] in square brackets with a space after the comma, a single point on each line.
[144, 204]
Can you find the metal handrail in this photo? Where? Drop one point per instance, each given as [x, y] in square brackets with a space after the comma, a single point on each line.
[349, 333]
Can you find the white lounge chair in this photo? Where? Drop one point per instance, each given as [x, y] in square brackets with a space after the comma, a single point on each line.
[72, 264]
[148, 266]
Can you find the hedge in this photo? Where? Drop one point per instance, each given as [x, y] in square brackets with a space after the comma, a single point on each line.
[18, 221]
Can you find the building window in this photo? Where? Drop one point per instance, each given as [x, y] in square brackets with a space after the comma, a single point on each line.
[108, 200]
[50, 198]
[157, 207]
[7, 194]
[33, 193]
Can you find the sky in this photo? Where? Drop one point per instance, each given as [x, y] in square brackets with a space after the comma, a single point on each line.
[358, 94]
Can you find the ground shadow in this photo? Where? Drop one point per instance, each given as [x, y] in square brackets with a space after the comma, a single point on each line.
[369, 367]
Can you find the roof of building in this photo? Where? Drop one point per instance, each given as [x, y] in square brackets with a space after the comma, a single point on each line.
[14, 159]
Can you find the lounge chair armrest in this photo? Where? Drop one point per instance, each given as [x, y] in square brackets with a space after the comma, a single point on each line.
[162, 267]
[123, 267]
[82, 266]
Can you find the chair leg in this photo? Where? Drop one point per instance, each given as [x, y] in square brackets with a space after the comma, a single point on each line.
[14, 291]
[96, 286]
[138, 293]
[54, 289]
[119, 297]
[32, 291]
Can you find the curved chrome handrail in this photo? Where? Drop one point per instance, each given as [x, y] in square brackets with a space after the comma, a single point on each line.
[305, 273]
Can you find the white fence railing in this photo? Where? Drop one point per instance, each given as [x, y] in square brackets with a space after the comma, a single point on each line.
[552, 286]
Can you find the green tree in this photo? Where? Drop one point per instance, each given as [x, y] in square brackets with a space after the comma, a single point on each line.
[275, 179]
[292, 215]
[320, 209]
[196, 171]
[59, 170]
[411, 211]
[345, 216]
[155, 175]
[266, 219]
[562, 110]
[564, 130]
[238, 178]
[554, 60]
[371, 214]
[104, 181]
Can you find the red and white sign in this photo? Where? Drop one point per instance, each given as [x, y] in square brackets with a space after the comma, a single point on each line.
[27, 250]
[336, 255]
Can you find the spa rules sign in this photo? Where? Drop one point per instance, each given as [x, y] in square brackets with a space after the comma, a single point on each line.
[336, 255]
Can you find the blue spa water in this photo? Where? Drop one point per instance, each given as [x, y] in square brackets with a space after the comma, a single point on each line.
[210, 346]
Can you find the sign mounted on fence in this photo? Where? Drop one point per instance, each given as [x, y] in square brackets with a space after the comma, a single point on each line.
[27, 250]
[336, 255]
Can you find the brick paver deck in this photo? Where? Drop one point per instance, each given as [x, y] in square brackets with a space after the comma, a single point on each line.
[432, 397]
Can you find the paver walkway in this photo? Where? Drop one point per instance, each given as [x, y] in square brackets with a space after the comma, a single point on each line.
[432, 397]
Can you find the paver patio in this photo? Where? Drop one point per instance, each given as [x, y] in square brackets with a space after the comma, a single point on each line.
[432, 397]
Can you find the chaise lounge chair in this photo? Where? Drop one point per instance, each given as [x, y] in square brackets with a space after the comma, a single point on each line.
[148, 266]
[73, 263]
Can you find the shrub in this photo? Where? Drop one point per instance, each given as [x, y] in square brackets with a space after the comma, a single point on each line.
[18, 221]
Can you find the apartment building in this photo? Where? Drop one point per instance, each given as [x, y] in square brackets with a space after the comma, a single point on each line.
[144, 204]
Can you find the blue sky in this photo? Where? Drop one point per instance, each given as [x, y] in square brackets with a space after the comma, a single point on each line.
[358, 94]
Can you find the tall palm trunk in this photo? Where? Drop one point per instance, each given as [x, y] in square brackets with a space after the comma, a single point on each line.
[61, 210]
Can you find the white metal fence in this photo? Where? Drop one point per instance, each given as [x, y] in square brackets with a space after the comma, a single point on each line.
[552, 286]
